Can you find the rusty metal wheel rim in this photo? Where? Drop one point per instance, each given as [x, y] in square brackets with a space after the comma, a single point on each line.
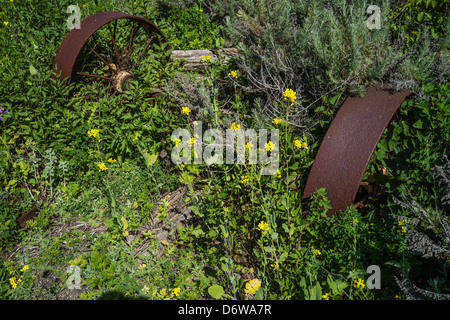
[86, 54]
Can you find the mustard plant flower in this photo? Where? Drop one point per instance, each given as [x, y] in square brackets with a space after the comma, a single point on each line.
[14, 282]
[270, 146]
[290, 95]
[248, 145]
[195, 123]
[276, 121]
[102, 167]
[305, 146]
[244, 179]
[251, 286]
[24, 268]
[93, 133]
[176, 292]
[111, 160]
[176, 141]
[403, 224]
[326, 296]
[135, 139]
[279, 173]
[5, 23]
[233, 74]
[235, 126]
[317, 252]
[206, 58]
[191, 141]
[359, 283]
[275, 265]
[185, 110]
[263, 227]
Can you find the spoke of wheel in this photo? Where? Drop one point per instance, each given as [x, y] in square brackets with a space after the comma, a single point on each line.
[143, 51]
[113, 39]
[130, 44]
[100, 57]
[93, 75]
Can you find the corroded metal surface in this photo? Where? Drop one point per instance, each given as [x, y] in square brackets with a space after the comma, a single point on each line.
[349, 143]
[75, 40]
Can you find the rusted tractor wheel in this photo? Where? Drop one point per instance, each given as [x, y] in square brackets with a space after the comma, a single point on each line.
[109, 49]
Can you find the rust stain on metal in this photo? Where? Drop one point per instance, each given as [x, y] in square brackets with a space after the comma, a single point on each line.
[349, 143]
[75, 40]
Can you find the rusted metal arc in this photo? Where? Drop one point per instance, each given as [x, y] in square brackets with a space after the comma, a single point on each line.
[349, 143]
[75, 40]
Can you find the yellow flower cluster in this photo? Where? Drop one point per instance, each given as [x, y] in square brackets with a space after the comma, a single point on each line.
[102, 167]
[290, 95]
[93, 133]
[245, 179]
[275, 265]
[14, 281]
[298, 145]
[276, 121]
[185, 110]
[326, 296]
[359, 283]
[176, 141]
[270, 146]
[111, 160]
[233, 74]
[279, 173]
[5, 23]
[206, 58]
[403, 224]
[263, 227]
[248, 145]
[176, 292]
[317, 252]
[235, 126]
[251, 286]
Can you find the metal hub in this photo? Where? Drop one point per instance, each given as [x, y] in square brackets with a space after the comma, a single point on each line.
[120, 78]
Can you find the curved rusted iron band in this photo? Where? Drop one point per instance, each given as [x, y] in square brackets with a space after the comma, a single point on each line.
[349, 143]
[76, 38]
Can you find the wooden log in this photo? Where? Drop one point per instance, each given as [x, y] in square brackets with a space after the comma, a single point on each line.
[194, 58]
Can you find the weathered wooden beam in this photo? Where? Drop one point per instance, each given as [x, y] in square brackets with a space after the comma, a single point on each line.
[194, 58]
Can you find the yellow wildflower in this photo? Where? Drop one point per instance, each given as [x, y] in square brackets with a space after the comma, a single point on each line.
[185, 110]
[305, 146]
[176, 291]
[326, 296]
[248, 145]
[297, 144]
[111, 160]
[359, 283]
[317, 252]
[233, 74]
[206, 58]
[403, 224]
[176, 141]
[279, 173]
[14, 282]
[195, 123]
[93, 133]
[5, 23]
[290, 94]
[276, 121]
[24, 268]
[270, 146]
[27, 143]
[191, 141]
[102, 166]
[135, 139]
[275, 265]
[245, 179]
[235, 126]
[263, 227]
[251, 286]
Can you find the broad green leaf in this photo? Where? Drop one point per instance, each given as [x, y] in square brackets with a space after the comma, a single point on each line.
[216, 291]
